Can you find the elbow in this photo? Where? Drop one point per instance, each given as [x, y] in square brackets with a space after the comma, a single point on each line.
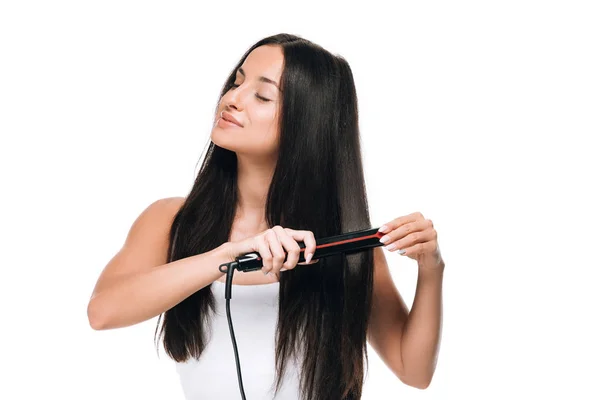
[422, 385]
[96, 318]
[420, 381]
[418, 378]
[417, 384]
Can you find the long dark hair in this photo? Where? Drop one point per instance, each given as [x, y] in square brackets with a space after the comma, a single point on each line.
[318, 185]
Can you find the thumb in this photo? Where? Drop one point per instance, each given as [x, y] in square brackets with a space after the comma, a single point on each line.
[311, 262]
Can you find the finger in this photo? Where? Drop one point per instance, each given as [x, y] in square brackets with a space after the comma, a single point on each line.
[265, 253]
[276, 250]
[291, 248]
[420, 249]
[404, 230]
[309, 240]
[301, 263]
[412, 239]
[395, 223]
[310, 263]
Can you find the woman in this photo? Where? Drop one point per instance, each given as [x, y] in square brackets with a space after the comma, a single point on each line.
[284, 165]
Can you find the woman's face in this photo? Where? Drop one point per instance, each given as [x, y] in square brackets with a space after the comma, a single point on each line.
[254, 102]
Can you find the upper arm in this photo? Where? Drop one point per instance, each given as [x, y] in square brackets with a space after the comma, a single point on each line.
[388, 315]
[147, 242]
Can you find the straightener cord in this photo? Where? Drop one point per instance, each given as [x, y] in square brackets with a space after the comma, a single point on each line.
[230, 270]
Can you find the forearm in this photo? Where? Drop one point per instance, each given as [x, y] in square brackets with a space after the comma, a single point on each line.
[422, 330]
[138, 297]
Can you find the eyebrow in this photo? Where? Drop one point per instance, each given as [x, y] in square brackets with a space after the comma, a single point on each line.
[261, 78]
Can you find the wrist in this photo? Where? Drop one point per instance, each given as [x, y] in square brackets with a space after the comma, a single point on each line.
[226, 250]
[429, 270]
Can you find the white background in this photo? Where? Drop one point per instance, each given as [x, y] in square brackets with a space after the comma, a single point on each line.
[481, 115]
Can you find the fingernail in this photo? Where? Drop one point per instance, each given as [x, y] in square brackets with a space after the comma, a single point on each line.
[283, 269]
[308, 257]
[265, 272]
[384, 239]
[401, 252]
[390, 247]
[383, 228]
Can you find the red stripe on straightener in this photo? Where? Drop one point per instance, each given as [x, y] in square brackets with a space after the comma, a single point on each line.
[377, 235]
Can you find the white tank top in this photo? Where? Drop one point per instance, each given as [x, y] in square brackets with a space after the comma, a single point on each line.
[254, 310]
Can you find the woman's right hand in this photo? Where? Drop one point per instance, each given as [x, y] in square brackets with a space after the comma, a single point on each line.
[273, 244]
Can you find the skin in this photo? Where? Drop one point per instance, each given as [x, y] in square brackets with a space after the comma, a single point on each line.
[256, 143]
[138, 283]
[255, 104]
[407, 341]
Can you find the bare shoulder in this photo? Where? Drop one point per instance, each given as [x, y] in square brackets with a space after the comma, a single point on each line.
[169, 205]
[153, 225]
[147, 242]
[170, 202]
[158, 216]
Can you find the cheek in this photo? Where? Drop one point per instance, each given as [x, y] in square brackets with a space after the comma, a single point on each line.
[268, 134]
[264, 114]
[266, 121]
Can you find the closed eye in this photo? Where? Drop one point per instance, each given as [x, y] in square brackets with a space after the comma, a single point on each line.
[257, 95]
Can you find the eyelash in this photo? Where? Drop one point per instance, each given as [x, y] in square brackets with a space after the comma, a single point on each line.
[257, 96]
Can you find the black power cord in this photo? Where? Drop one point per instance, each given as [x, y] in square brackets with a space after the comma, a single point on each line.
[229, 268]
[345, 243]
[245, 263]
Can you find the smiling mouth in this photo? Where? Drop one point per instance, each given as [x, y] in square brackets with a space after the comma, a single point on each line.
[230, 118]
[232, 122]
[223, 123]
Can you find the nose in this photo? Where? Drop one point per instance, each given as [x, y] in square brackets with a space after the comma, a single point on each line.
[233, 97]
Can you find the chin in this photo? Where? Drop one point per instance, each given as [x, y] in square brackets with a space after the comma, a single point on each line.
[218, 138]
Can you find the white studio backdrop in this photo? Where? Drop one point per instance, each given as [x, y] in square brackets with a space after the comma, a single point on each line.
[481, 115]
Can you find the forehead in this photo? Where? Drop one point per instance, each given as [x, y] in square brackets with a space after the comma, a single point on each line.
[265, 61]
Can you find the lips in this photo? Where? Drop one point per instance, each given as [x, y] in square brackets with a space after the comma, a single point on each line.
[228, 117]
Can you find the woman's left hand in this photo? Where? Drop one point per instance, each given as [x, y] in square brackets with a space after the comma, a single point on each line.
[413, 236]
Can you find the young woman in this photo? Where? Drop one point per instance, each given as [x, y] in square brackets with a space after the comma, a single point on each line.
[284, 165]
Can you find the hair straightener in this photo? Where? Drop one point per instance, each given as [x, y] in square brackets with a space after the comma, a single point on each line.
[350, 242]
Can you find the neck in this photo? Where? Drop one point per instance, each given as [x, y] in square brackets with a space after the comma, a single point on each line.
[253, 181]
